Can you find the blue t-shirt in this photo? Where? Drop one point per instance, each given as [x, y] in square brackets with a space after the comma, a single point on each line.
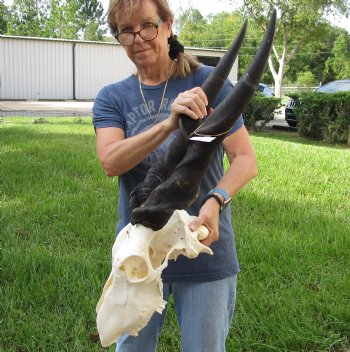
[121, 105]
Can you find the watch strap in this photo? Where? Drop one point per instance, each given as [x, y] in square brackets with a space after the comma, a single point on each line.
[214, 194]
[223, 193]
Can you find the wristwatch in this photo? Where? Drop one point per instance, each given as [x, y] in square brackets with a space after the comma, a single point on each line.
[214, 193]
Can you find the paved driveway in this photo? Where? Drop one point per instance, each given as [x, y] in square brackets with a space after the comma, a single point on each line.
[82, 108]
[45, 108]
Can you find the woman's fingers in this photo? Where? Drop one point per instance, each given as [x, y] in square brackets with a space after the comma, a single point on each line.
[192, 103]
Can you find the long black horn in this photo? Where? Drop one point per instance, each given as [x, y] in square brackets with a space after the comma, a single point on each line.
[178, 147]
[233, 105]
[181, 189]
[216, 79]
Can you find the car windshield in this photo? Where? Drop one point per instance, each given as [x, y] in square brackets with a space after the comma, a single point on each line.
[333, 87]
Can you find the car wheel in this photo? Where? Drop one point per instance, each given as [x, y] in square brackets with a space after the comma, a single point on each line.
[292, 123]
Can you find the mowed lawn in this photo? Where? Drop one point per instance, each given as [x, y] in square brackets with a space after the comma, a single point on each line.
[57, 224]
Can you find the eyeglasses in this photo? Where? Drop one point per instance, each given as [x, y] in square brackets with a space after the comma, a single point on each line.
[147, 32]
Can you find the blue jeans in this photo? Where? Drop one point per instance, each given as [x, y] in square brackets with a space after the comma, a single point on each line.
[204, 311]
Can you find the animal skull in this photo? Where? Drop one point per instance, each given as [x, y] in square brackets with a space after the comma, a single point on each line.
[133, 291]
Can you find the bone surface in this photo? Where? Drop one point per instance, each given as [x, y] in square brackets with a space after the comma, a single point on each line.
[133, 291]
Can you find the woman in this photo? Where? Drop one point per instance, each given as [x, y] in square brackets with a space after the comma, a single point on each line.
[135, 120]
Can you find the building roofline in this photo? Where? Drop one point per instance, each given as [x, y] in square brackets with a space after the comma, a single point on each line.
[56, 39]
[93, 42]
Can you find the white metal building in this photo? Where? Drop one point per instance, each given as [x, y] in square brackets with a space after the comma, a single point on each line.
[56, 69]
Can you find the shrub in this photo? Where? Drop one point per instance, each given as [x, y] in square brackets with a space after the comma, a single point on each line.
[306, 79]
[324, 116]
[40, 120]
[260, 108]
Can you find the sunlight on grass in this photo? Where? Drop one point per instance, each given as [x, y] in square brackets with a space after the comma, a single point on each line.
[58, 215]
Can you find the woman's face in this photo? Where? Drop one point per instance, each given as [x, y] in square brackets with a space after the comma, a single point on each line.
[145, 53]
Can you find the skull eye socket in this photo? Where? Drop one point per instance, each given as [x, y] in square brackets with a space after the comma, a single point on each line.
[135, 268]
[156, 259]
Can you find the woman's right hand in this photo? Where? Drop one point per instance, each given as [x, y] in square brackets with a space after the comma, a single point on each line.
[192, 103]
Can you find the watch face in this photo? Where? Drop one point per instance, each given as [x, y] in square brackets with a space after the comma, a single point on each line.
[226, 203]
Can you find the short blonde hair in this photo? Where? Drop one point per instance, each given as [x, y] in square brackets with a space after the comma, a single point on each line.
[185, 64]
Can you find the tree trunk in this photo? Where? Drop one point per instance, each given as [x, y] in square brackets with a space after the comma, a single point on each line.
[278, 83]
[278, 74]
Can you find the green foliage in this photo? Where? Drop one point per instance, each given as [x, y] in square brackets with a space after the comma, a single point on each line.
[91, 19]
[338, 64]
[305, 79]
[40, 120]
[193, 29]
[313, 56]
[214, 31]
[93, 31]
[309, 39]
[4, 15]
[222, 28]
[28, 18]
[260, 108]
[324, 116]
[299, 23]
[62, 21]
[69, 19]
[218, 31]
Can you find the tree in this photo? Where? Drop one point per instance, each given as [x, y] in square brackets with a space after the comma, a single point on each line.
[299, 23]
[218, 31]
[93, 31]
[338, 64]
[91, 19]
[314, 55]
[214, 31]
[305, 79]
[222, 29]
[62, 21]
[3, 17]
[68, 19]
[28, 18]
[192, 26]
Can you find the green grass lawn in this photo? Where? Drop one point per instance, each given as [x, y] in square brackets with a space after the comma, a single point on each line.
[57, 224]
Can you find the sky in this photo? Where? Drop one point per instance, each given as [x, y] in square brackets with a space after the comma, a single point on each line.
[214, 6]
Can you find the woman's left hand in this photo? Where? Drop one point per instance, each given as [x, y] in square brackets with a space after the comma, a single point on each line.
[208, 217]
